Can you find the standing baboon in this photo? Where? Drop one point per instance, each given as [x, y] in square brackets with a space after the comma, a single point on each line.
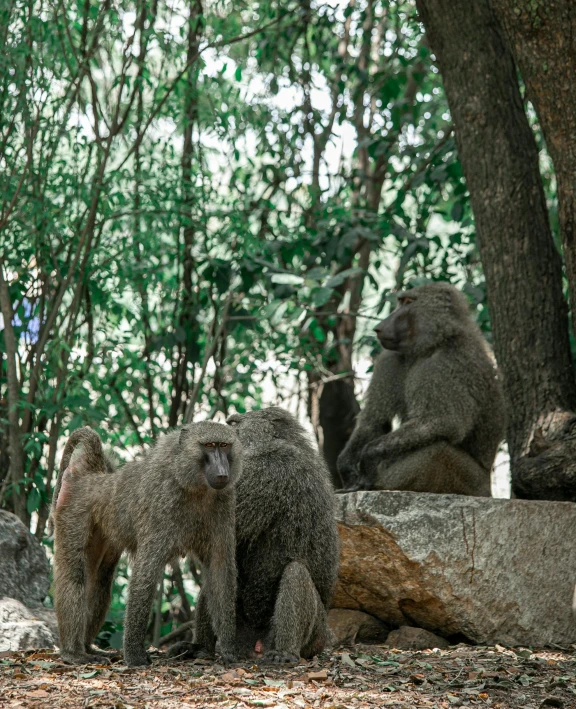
[436, 376]
[286, 542]
[83, 455]
[177, 498]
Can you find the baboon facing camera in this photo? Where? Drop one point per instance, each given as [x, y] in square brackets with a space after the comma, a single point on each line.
[178, 498]
[286, 543]
[436, 376]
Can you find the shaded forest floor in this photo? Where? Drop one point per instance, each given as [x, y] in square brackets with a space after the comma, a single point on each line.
[364, 676]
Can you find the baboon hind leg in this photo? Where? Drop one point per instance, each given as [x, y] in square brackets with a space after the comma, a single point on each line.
[71, 575]
[439, 468]
[99, 597]
[299, 621]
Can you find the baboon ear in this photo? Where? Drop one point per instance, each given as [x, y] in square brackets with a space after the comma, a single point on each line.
[184, 432]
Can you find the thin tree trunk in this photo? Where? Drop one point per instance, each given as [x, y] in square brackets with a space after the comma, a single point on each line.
[15, 449]
[522, 267]
[187, 319]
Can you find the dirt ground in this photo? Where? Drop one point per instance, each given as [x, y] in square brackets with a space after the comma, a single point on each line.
[363, 676]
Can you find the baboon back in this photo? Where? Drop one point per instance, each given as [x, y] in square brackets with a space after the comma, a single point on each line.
[285, 513]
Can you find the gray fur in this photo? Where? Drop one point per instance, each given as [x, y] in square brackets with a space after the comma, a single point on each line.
[287, 541]
[438, 378]
[157, 508]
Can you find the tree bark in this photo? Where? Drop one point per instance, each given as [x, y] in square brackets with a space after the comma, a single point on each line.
[522, 267]
[15, 449]
[543, 38]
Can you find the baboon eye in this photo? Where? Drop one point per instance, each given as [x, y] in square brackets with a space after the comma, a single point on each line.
[210, 445]
[406, 301]
[223, 445]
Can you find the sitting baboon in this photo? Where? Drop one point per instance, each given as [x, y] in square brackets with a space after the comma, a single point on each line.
[286, 543]
[177, 498]
[437, 377]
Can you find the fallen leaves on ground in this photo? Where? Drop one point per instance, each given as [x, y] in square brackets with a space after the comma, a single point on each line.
[355, 678]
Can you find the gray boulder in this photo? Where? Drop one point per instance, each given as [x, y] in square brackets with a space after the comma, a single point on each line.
[25, 629]
[24, 568]
[477, 569]
[25, 624]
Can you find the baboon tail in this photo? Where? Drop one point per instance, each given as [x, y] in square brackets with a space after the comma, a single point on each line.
[90, 441]
[95, 462]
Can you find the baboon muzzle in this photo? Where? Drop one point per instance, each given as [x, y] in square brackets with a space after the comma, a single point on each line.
[217, 469]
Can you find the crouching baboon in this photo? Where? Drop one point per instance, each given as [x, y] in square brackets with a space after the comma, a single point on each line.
[177, 498]
[286, 543]
[436, 376]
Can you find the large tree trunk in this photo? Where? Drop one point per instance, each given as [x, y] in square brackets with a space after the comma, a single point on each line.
[543, 38]
[522, 266]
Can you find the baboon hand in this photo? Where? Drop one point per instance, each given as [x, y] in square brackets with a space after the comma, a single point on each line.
[370, 452]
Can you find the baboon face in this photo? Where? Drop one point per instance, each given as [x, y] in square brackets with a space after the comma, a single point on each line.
[398, 329]
[212, 448]
[424, 317]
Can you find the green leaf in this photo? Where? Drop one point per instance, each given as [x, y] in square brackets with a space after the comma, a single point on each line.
[33, 501]
[339, 278]
[238, 73]
[320, 296]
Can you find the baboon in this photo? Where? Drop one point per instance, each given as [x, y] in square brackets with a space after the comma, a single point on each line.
[286, 543]
[83, 454]
[437, 377]
[177, 498]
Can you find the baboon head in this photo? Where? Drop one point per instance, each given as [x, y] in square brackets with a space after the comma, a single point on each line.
[209, 453]
[425, 317]
[256, 427]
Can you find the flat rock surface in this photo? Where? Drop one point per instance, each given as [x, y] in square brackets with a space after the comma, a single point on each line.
[371, 676]
[486, 570]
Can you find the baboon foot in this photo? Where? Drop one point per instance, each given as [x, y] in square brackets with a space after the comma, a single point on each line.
[84, 658]
[110, 653]
[188, 651]
[137, 659]
[280, 657]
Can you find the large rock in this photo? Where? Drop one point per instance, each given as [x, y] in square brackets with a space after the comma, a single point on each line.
[25, 629]
[24, 568]
[25, 624]
[478, 569]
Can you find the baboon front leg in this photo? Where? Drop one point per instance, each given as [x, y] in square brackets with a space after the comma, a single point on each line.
[146, 571]
[221, 591]
[299, 620]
